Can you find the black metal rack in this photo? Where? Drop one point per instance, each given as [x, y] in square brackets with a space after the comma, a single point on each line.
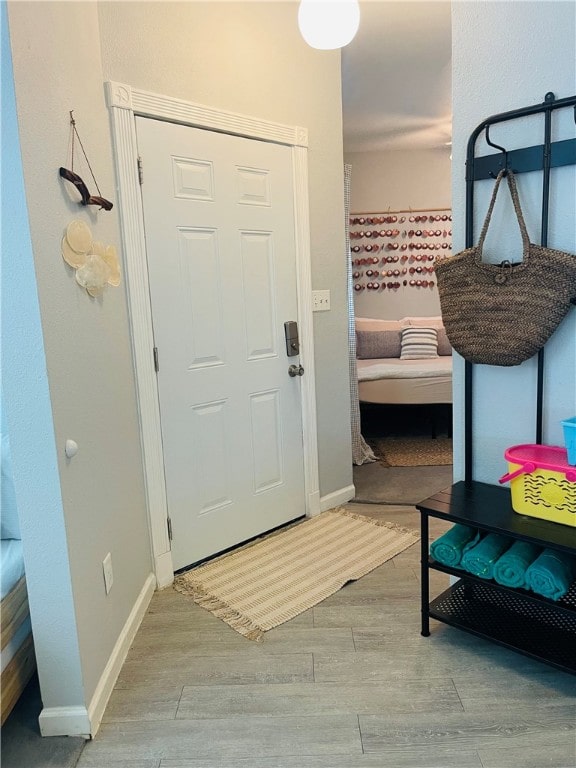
[517, 619]
[543, 158]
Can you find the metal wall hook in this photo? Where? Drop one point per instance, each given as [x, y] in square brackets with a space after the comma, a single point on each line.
[491, 143]
[496, 146]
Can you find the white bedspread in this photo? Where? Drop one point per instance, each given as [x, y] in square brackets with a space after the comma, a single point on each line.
[394, 368]
[12, 564]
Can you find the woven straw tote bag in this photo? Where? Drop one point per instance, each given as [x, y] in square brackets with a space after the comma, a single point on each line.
[502, 314]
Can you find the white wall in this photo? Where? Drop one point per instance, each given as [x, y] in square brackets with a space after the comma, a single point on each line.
[26, 406]
[88, 356]
[240, 56]
[249, 57]
[399, 180]
[527, 50]
[418, 178]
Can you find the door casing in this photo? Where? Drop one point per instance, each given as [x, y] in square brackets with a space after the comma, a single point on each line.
[124, 102]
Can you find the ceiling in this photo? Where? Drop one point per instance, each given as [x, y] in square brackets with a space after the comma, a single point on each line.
[396, 77]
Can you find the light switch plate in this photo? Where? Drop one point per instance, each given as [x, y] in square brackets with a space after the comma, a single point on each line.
[320, 301]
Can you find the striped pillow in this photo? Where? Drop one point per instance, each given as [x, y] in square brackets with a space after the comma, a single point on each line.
[419, 343]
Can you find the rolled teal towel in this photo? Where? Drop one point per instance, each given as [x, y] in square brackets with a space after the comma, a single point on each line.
[510, 568]
[551, 574]
[480, 558]
[449, 548]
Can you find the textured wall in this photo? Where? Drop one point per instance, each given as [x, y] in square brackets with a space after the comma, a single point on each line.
[528, 50]
[398, 180]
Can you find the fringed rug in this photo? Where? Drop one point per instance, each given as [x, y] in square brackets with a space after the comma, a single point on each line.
[413, 451]
[267, 583]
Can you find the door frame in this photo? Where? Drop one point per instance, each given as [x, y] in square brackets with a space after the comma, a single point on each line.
[124, 103]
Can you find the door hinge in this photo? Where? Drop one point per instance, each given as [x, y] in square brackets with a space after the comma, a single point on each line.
[169, 524]
[156, 363]
[140, 171]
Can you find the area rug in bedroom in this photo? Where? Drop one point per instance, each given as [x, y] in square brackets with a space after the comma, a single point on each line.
[264, 584]
[413, 450]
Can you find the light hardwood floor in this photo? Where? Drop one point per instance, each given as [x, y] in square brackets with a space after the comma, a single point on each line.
[348, 684]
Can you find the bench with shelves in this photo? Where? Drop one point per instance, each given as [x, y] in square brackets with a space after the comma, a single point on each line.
[515, 618]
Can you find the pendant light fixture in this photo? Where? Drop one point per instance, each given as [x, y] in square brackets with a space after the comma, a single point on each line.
[328, 24]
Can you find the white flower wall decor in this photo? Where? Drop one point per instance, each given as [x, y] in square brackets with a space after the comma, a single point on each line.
[96, 264]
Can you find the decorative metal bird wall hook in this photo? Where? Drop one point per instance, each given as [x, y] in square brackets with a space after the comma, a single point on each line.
[74, 178]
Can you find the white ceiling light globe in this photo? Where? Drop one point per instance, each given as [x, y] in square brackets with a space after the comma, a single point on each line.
[328, 24]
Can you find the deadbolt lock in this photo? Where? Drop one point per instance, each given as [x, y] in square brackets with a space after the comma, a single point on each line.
[292, 340]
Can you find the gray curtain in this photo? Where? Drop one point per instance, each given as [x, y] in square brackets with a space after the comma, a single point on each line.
[361, 451]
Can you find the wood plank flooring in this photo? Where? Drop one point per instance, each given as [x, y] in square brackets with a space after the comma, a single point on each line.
[348, 684]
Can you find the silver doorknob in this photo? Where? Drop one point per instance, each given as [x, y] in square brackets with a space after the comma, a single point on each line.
[295, 370]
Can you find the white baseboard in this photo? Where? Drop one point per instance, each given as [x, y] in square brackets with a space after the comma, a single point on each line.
[118, 655]
[164, 570]
[64, 721]
[336, 498]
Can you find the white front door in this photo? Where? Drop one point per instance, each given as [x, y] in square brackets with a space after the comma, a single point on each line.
[219, 224]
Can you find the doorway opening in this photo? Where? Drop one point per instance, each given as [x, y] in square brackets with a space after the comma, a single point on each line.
[397, 146]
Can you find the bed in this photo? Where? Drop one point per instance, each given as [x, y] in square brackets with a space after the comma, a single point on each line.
[17, 648]
[403, 362]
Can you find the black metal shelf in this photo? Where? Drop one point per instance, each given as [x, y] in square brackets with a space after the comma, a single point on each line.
[481, 505]
[509, 620]
[566, 604]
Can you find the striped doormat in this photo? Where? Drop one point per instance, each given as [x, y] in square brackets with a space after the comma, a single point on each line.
[266, 583]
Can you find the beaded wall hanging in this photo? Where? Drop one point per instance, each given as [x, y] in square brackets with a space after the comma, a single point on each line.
[398, 249]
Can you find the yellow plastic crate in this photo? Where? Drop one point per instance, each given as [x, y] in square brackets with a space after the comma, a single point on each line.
[542, 483]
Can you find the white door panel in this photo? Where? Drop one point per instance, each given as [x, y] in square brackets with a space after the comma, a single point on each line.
[219, 224]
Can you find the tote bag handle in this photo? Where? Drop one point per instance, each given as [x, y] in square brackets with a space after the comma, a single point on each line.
[514, 194]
